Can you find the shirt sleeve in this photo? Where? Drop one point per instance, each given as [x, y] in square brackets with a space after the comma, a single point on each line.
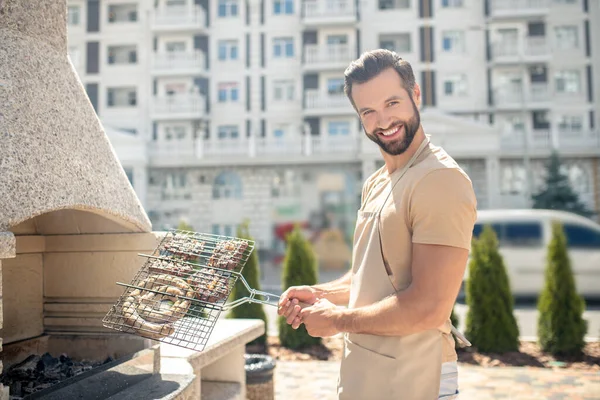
[443, 209]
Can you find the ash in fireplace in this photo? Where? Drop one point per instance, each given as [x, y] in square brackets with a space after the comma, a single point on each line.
[36, 373]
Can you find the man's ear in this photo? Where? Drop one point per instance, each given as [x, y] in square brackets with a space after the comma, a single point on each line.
[417, 95]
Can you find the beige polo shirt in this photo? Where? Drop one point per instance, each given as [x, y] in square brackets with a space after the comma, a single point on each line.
[434, 203]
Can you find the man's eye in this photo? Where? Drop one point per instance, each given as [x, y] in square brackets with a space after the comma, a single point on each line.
[393, 103]
[366, 112]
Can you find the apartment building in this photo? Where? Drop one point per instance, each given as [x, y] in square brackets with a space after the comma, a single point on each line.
[238, 106]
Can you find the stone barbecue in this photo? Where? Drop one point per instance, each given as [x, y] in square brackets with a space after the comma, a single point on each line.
[71, 226]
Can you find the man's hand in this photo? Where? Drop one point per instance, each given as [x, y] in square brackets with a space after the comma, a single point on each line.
[320, 318]
[289, 303]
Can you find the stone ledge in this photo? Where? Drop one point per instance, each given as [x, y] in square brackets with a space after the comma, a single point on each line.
[220, 390]
[8, 247]
[227, 334]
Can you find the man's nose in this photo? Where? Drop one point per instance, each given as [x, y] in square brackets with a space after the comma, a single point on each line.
[384, 120]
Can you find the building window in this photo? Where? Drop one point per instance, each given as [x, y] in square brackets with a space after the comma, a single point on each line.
[338, 128]
[175, 47]
[119, 13]
[335, 86]
[455, 85]
[278, 132]
[452, 3]
[393, 4]
[567, 82]
[283, 7]
[228, 91]
[119, 55]
[567, 37]
[74, 55]
[513, 178]
[283, 47]
[228, 132]
[570, 124]
[453, 41]
[228, 50]
[283, 90]
[73, 15]
[175, 132]
[121, 97]
[228, 8]
[540, 120]
[400, 42]
[227, 185]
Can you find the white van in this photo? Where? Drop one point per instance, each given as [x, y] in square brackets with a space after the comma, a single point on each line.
[523, 237]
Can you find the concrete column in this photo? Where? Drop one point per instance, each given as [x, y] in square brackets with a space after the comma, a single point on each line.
[492, 180]
[368, 167]
[7, 250]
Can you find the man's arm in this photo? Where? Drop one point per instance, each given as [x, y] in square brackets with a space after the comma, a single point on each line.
[425, 304]
[442, 212]
[337, 291]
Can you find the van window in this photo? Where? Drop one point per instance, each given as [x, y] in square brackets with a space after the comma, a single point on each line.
[581, 237]
[523, 234]
[515, 234]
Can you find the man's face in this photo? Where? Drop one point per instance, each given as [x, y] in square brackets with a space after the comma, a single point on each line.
[387, 111]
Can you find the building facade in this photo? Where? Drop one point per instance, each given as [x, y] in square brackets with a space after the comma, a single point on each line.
[240, 110]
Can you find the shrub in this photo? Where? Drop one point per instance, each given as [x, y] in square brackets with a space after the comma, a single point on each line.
[491, 325]
[251, 273]
[299, 268]
[561, 327]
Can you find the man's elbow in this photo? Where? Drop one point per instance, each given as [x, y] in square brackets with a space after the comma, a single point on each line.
[435, 316]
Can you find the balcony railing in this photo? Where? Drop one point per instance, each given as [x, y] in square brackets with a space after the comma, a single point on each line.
[537, 92]
[186, 106]
[317, 54]
[530, 46]
[179, 61]
[330, 10]
[547, 139]
[220, 149]
[180, 18]
[518, 7]
[314, 100]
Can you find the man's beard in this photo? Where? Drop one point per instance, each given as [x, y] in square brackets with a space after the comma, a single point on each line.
[401, 144]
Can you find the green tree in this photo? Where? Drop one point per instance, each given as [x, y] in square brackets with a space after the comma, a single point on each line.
[299, 268]
[184, 226]
[251, 273]
[491, 325]
[561, 327]
[557, 193]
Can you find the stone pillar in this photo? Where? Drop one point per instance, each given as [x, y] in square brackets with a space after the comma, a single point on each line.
[7, 250]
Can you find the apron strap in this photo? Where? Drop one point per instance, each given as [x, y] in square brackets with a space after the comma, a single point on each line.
[423, 145]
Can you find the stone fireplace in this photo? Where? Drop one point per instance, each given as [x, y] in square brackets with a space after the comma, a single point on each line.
[71, 226]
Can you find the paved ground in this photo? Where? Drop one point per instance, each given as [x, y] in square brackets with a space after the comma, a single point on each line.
[298, 380]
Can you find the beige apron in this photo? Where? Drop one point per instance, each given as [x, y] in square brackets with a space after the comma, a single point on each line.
[385, 367]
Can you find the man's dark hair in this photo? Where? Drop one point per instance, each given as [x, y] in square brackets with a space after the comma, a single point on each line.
[371, 64]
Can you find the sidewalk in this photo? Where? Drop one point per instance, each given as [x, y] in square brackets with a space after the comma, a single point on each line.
[308, 380]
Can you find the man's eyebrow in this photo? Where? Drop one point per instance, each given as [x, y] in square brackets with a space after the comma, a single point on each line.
[386, 101]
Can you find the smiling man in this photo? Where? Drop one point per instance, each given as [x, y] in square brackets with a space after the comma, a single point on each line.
[411, 244]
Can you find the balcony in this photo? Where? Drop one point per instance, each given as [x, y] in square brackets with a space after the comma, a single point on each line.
[538, 92]
[253, 150]
[317, 103]
[316, 12]
[531, 49]
[542, 141]
[327, 57]
[176, 63]
[518, 8]
[179, 18]
[191, 106]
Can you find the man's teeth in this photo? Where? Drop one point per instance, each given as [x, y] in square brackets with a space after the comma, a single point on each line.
[390, 132]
